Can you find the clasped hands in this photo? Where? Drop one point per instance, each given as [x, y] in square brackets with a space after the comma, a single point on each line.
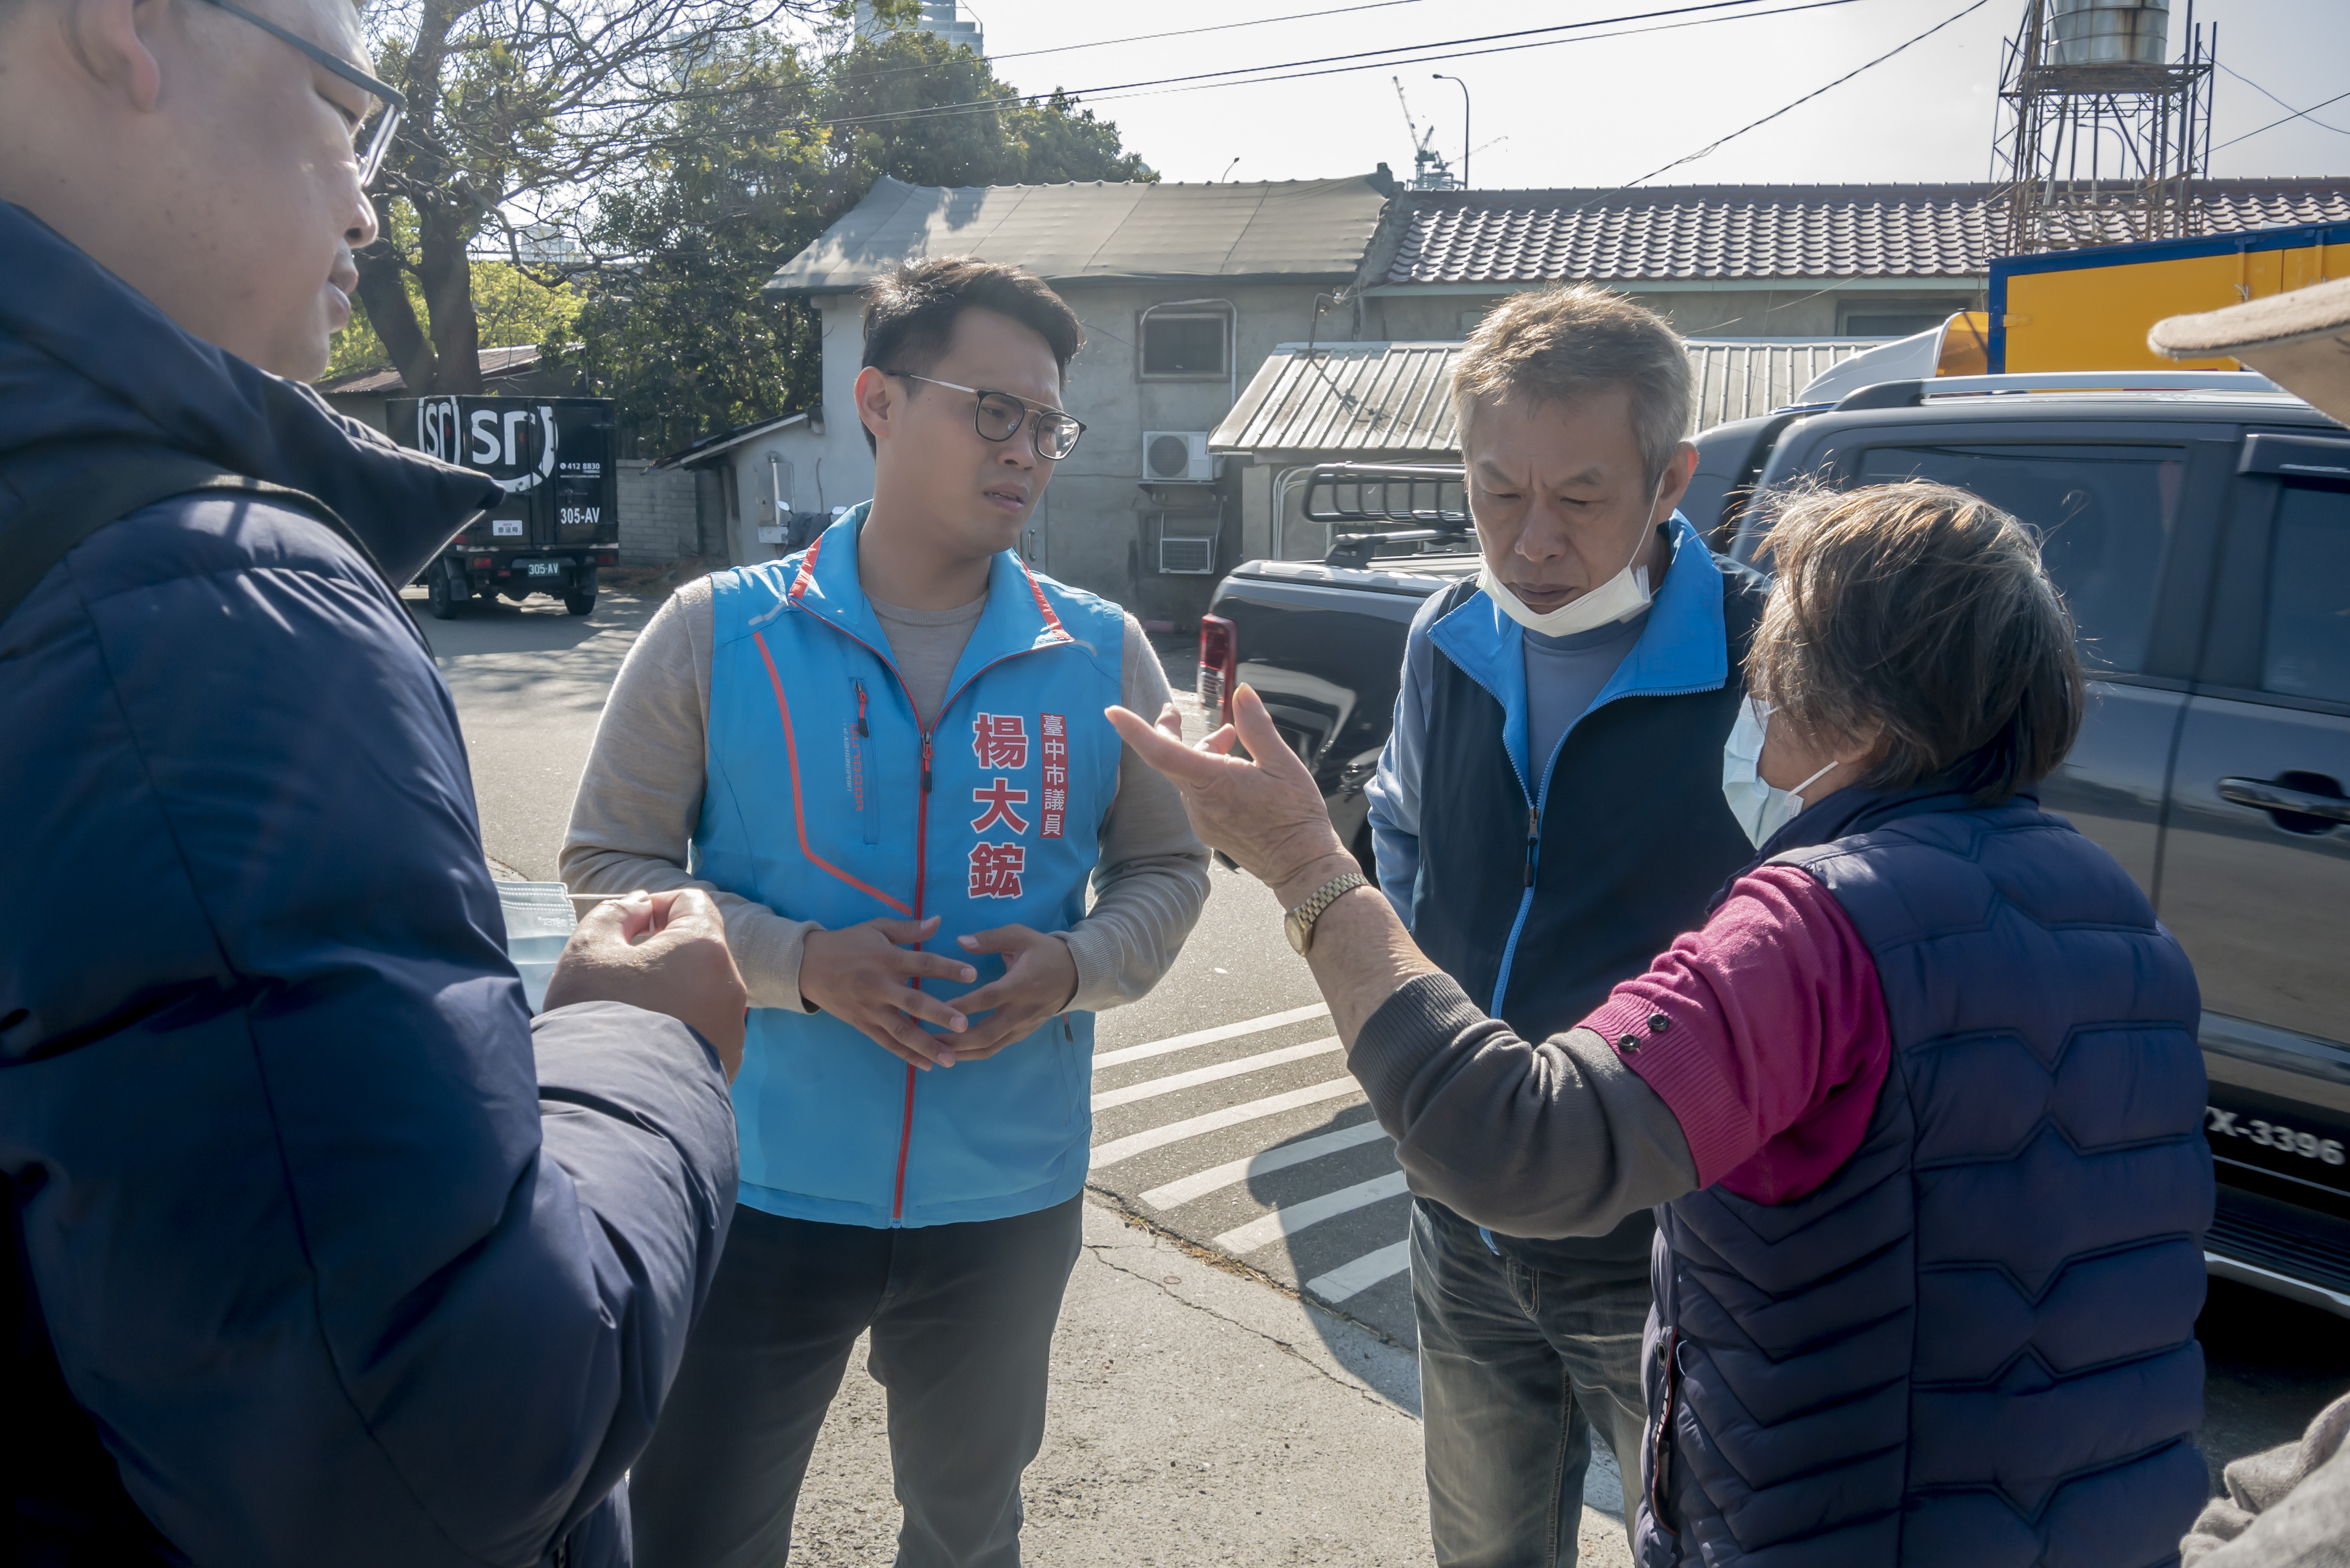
[1266, 814]
[864, 976]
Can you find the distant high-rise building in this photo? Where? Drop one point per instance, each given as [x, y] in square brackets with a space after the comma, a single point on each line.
[940, 18]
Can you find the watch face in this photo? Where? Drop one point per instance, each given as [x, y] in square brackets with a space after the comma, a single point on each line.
[1298, 930]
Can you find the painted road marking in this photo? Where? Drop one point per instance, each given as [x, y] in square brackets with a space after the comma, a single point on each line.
[1126, 1147]
[1259, 1164]
[1352, 1278]
[1209, 1036]
[1295, 1217]
[1151, 1089]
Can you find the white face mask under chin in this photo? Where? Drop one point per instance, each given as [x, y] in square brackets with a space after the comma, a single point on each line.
[1620, 598]
[1761, 808]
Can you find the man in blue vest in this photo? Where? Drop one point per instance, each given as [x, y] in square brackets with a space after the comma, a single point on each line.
[886, 758]
[1507, 825]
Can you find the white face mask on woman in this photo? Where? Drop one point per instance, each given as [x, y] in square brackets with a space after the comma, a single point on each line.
[1761, 808]
[1620, 598]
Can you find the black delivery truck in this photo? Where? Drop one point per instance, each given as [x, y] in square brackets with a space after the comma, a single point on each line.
[560, 518]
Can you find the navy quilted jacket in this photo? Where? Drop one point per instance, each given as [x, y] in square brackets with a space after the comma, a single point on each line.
[1975, 1344]
[318, 1253]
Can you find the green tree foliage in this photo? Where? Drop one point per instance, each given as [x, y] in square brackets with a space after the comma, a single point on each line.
[519, 112]
[511, 308]
[754, 165]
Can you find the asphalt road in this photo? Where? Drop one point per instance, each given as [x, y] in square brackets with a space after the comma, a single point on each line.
[1223, 1115]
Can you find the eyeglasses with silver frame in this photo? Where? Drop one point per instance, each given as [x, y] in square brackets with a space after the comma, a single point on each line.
[371, 137]
[998, 417]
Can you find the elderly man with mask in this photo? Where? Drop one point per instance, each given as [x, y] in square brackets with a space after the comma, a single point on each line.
[320, 1250]
[1600, 629]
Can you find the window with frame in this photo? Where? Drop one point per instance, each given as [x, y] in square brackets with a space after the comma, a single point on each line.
[2105, 515]
[2305, 646]
[1177, 346]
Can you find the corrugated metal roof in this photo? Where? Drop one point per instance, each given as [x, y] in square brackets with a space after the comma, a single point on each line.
[1730, 232]
[1372, 401]
[1350, 400]
[1104, 232]
[1734, 380]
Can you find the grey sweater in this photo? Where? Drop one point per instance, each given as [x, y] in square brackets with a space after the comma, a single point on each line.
[641, 794]
[1550, 1137]
[2286, 1507]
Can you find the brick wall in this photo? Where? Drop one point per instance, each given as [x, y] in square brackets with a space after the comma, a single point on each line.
[657, 515]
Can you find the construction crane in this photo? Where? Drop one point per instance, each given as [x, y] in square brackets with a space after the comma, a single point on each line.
[1429, 172]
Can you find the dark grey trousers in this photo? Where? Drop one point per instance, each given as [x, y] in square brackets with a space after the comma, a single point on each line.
[1516, 1367]
[962, 1317]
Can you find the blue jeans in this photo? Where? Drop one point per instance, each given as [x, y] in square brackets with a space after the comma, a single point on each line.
[962, 1317]
[1515, 1366]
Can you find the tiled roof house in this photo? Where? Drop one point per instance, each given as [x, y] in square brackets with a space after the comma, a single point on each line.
[1747, 261]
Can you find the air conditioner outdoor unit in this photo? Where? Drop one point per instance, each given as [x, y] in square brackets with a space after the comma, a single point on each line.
[1172, 456]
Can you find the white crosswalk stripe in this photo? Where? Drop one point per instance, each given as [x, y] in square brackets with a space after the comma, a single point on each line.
[1126, 1147]
[1352, 1279]
[1209, 1036]
[1295, 1217]
[1267, 1175]
[1280, 1158]
[1151, 1089]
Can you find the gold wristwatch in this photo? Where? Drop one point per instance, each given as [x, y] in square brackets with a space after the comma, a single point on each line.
[1299, 921]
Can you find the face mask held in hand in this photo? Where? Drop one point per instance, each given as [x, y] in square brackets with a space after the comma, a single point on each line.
[1620, 598]
[1761, 808]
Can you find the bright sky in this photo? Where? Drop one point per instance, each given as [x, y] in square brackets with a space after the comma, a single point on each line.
[1606, 111]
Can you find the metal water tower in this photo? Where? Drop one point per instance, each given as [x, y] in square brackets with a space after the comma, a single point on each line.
[2105, 133]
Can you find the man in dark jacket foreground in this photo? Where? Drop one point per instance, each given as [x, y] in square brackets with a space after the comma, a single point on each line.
[319, 1251]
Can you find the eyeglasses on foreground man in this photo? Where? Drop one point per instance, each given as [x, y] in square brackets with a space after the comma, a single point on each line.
[1919, 1101]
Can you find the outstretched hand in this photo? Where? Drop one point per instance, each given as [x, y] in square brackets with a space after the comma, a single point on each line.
[1264, 812]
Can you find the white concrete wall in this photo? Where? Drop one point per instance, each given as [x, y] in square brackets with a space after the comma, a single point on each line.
[658, 522]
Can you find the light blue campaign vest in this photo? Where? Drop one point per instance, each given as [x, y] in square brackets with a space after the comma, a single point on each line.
[828, 802]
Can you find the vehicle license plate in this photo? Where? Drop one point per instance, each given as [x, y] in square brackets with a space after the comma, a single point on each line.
[545, 568]
[2254, 1132]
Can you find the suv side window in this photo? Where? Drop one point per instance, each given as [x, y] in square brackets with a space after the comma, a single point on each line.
[2106, 513]
[2305, 652]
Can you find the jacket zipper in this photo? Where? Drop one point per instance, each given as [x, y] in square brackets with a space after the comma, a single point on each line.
[921, 859]
[1536, 800]
[921, 879]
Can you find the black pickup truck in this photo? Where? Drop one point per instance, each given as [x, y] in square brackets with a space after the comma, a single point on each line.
[2201, 536]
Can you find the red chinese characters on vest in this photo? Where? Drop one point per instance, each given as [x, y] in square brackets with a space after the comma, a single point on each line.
[1000, 742]
[1055, 730]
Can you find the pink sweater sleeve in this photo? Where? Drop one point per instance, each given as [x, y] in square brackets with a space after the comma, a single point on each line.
[1765, 1035]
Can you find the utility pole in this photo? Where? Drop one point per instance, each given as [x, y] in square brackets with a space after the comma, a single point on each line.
[1439, 76]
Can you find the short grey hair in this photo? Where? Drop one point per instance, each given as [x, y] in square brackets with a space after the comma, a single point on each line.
[1922, 612]
[1554, 344]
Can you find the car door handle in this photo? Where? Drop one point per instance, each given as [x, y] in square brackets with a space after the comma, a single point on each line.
[2262, 795]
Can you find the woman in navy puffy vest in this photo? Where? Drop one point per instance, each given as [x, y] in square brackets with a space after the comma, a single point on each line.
[1919, 1105]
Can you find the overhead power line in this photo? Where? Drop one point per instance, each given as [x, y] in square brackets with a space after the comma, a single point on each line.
[2296, 114]
[1243, 76]
[2288, 120]
[1363, 60]
[1715, 146]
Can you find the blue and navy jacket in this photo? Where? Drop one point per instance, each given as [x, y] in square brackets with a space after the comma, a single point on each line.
[1974, 1345]
[830, 800]
[1596, 857]
[320, 1249]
